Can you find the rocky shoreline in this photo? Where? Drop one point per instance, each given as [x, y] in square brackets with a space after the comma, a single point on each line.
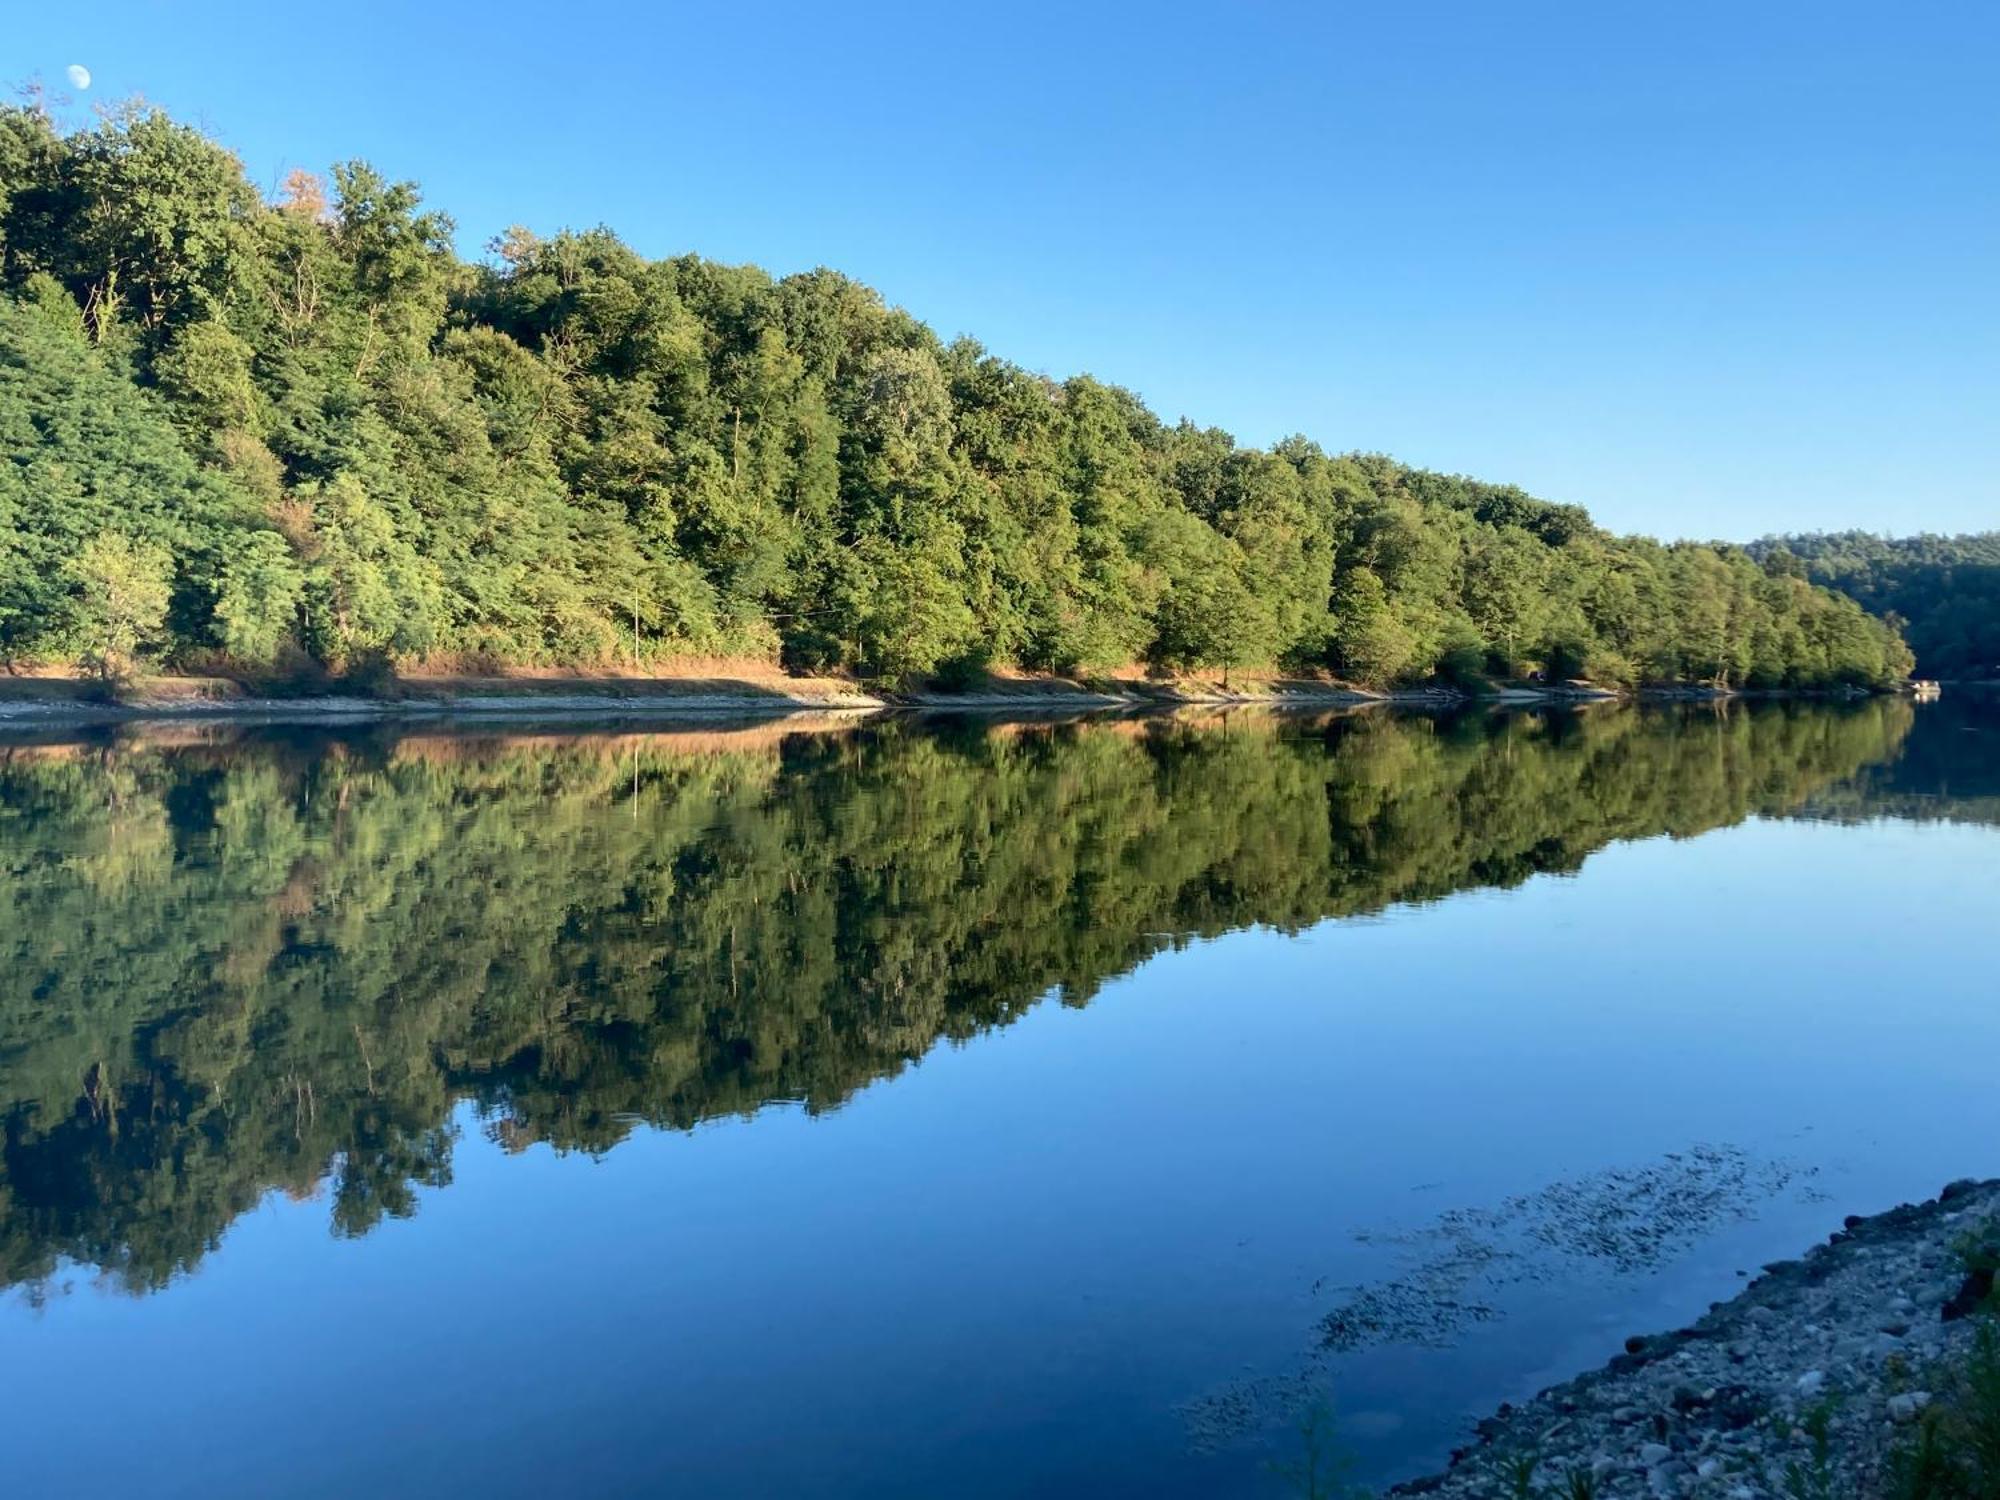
[43, 701]
[341, 709]
[1823, 1362]
[670, 700]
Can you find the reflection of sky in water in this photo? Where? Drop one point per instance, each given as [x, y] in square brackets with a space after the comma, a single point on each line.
[1009, 1269]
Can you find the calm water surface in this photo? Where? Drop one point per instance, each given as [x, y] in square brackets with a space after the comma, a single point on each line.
[970, 1109]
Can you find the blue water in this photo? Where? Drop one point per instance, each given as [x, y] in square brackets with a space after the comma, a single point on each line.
[1086, 1251]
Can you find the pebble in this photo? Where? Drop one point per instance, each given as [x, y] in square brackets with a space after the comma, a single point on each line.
[1907, 1407]
[1715, 1411]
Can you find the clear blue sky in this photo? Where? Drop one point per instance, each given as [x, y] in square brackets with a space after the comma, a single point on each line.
[1710, 269]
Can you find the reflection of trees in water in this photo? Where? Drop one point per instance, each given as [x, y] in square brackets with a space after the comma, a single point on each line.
[1948, 770]
[276, 963]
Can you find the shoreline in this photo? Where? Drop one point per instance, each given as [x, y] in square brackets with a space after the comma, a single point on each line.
[602, 706]
[1857, 1336]
[38, 701]
[667, 699]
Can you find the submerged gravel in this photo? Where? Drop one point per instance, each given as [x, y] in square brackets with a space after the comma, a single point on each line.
[1847, 1339]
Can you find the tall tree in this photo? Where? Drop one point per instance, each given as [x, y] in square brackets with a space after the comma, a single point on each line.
[355, 445]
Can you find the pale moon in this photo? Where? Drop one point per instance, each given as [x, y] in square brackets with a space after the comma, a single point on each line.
[79, 76]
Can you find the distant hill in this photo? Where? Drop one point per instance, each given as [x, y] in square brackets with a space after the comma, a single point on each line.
[1946, 589]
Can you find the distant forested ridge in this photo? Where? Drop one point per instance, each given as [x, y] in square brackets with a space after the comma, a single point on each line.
[305, 434]
[1944, 590]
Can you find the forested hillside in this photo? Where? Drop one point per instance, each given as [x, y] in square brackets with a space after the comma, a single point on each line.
[1945, 589]
[306, 435]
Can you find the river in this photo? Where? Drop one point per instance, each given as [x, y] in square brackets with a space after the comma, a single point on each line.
[916, 1107]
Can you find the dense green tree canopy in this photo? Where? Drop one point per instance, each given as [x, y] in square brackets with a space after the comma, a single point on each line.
[356, 446]
[1945, 590]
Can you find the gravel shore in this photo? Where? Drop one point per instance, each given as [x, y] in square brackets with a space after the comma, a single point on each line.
[584, 705]
[1847, 1341]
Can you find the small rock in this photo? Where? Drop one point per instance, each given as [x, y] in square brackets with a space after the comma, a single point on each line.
[1812, 1382]
[1652, 1455]
[1907, 1407]
[1737, 1407]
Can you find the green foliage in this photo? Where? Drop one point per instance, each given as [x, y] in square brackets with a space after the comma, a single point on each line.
[1811, 1477]
[122, 589]
[1978, 1413]
[1925, 1468]
[1371, 644]
[258, 600]
[1463, 659]
[1945, 589]
[85, 453]
[206, 372]
[1978, 1250]
[1955, 1451]
[154, 232]
[570, 454]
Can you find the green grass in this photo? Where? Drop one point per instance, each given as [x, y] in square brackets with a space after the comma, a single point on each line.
[1811, 1478]
[1955, 1452]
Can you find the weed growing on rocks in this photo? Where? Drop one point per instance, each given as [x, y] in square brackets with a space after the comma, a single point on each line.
[1811, 1478]
[1955, 1452]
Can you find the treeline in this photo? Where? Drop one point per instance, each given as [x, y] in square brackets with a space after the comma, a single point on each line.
[280, 963]
[304, 434]
[1944, 591]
